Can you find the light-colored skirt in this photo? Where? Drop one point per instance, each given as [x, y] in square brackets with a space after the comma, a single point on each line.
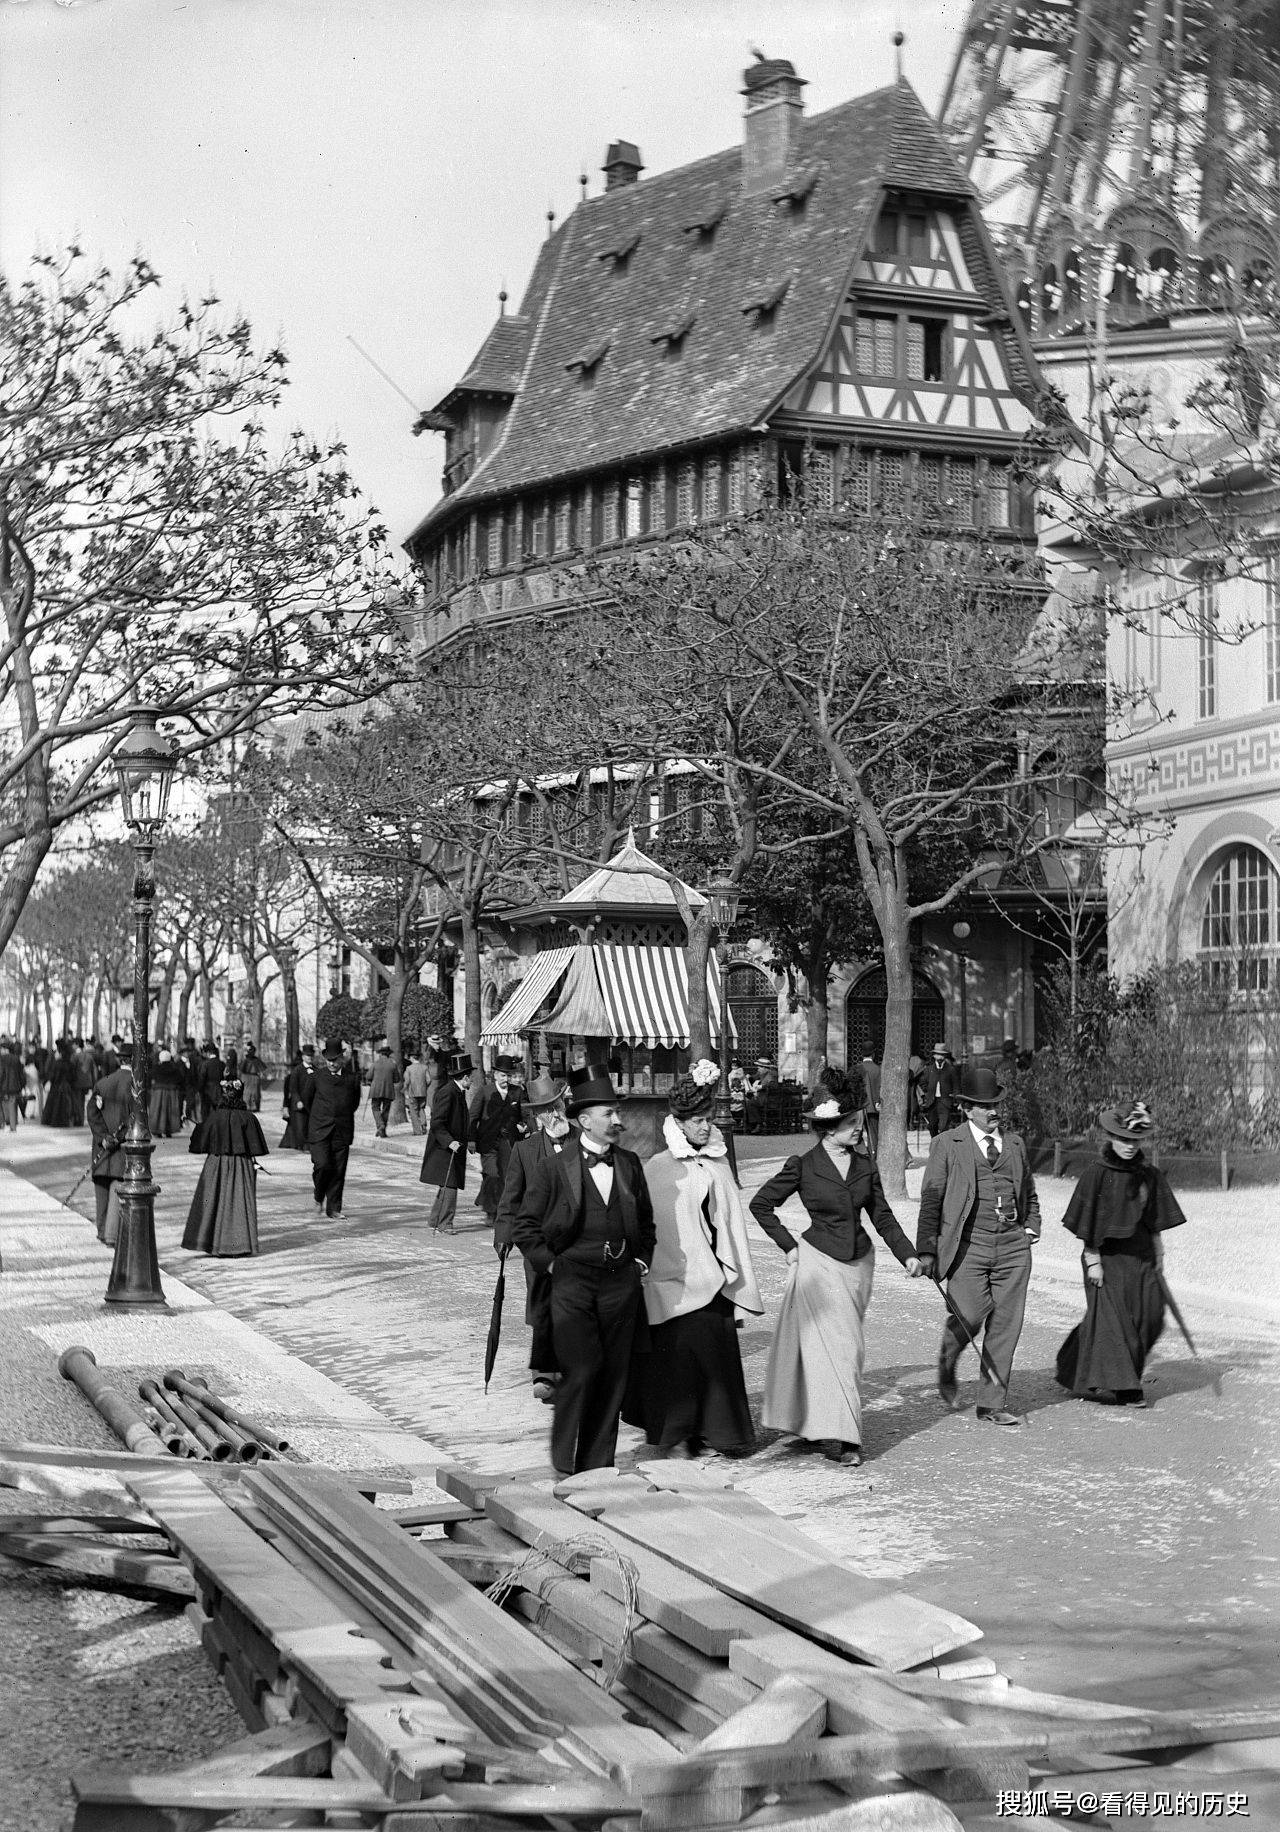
[813, 1382]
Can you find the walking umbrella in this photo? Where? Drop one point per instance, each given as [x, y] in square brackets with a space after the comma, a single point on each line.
[1172, 1303]
[495, 1317]
[974, 1344]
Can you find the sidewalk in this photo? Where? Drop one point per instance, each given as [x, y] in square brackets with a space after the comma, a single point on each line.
[364, 1336]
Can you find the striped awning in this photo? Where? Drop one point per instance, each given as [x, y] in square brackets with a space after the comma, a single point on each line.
[528, 997]
[646, 993]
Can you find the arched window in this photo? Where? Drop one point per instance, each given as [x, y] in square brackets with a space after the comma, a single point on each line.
[864, 1016]
[753, 1004]
[1240, 924]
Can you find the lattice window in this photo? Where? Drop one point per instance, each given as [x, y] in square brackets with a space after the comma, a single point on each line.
[733, 480]
[1207, 649]
[494, 554]
[633, 507]
[997, 496]
[609, 512]
[686, 493]
[857, 480]
[1238, 924]
[962, 477]
[925, 338]
[877, 344]
[536, 529]
[564, 525]
[932, 474]
[712, 473]
[819, 478]
[893, 482]
[1271, 617]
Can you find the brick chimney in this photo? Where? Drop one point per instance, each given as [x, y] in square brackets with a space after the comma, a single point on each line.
[772, 126]
[622, 165]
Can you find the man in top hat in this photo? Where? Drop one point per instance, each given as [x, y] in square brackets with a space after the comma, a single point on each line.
[979, 1214]
[444, 1162]
[495, 1127]
[586, 1218]
[330, 1100]
[550, 1133]
[937, 1090]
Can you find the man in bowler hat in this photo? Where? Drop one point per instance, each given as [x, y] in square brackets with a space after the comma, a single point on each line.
[551, 1132]
[586, 1218]
[444, 1162]
[979, 1214]
[331, 1098]
[494, 1130]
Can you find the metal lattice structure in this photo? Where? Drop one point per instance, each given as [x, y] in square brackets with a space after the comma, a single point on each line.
[1151, 125]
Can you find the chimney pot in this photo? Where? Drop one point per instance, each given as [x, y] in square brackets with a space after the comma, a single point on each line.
[771, 131]
[622, 165]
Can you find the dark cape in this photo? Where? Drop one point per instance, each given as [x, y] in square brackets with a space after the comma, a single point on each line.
[223, 1218]
[64, 1105]
[1116, 1211]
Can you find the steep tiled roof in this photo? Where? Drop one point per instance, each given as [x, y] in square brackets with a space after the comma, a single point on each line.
[500, 360]
[706, 252]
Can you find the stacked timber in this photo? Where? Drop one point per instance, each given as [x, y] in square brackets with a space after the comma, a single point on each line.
[612, 1651]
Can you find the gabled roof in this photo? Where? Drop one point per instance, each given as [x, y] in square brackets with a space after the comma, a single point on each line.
[500, 360]
[631, 880]
[695, 237]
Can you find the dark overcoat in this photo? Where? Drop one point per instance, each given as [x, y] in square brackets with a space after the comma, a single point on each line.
[107, 1111]
[330, 1100]
[525, 1159]
[449, 1121]
[551, 1214]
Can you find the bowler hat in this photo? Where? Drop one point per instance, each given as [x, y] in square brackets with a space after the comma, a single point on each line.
[544, 1091]
[590, 1086]
[458, 1065]
[978, 1087]
[1132, 1121]
[333, 1048]
[506, 1064]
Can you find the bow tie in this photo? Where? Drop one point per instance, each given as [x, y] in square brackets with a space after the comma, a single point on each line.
[598, 1157]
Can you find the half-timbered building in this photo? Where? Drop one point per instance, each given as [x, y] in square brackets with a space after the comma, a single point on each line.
[823, 296]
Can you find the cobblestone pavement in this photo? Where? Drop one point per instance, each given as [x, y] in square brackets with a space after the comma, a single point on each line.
[1099, 1550]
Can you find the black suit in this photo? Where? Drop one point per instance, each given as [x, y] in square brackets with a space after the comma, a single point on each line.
[330, 1101]
[525, 1159]
[938, 1086]
[593, 1249]
[446, 1168]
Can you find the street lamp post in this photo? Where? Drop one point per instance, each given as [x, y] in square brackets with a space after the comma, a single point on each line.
[145, 763]
[961, 932]
[723, 895]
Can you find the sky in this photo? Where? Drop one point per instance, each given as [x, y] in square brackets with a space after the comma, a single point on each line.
[377, 170]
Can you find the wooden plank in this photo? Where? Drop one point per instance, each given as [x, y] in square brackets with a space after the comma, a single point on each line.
[79, 1557]
[684, 1605]
[433, 1513]
[475, 1564]
[452, 1619]
[124, 1462]
[778, 1574]
[786, 1711]
[289, 1749]
[842, 1758]
[475, 1487]
[78, 1523]
[575, 1799]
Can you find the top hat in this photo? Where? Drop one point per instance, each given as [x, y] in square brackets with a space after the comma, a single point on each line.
[590, 1086]
[978, 1087]
[1132, 1122]
[544, 1091]
[333, 1047]
[308, 1049]
[458, 1065]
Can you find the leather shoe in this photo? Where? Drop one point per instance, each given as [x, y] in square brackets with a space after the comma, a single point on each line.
[948, 1390]
[992, 1415]
[836, 1451]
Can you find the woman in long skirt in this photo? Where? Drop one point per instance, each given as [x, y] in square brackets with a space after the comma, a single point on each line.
[164, 1106]
[34, 1108]
[63, 1105]
[700, 1282]
[814, 1377]
[223, 1218]
[251, 1076]
[1121, 1207]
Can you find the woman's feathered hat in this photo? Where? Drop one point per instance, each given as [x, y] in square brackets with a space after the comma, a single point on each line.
[835, 1095]
[695, 1093]
[1131, 1123]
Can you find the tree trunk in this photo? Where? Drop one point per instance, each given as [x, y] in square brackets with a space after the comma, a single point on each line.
[697, 951]
[184, 1010]
[21, 864]
[206, 1005]
[167, 982]
[817, 1021]
[892, 1155]
[395, 1005]
[46, 993]
[473, 1020]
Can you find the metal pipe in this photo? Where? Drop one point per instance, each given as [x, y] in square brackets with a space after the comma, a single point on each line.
[218, 1447]
[199, 1389]
[169, 1435]
[121, 1414]
[244, 1448]
[188, 1444]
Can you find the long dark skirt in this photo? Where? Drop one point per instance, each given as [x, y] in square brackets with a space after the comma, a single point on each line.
[693, 1389]
[64, 1105]
[223, 1218]
[1107, 1351]
[295, 1133]
[164, 1112]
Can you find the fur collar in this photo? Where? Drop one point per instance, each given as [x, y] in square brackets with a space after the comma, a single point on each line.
[681, 1147]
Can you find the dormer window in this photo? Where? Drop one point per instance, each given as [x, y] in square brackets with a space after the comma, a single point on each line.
[703, 227]
[588, 359]
[762, 306]
[795, 193]
[620, 252]
[673, 333]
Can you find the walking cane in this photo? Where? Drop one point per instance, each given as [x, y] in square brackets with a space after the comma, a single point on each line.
[108, 1146]
[987, 1364]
